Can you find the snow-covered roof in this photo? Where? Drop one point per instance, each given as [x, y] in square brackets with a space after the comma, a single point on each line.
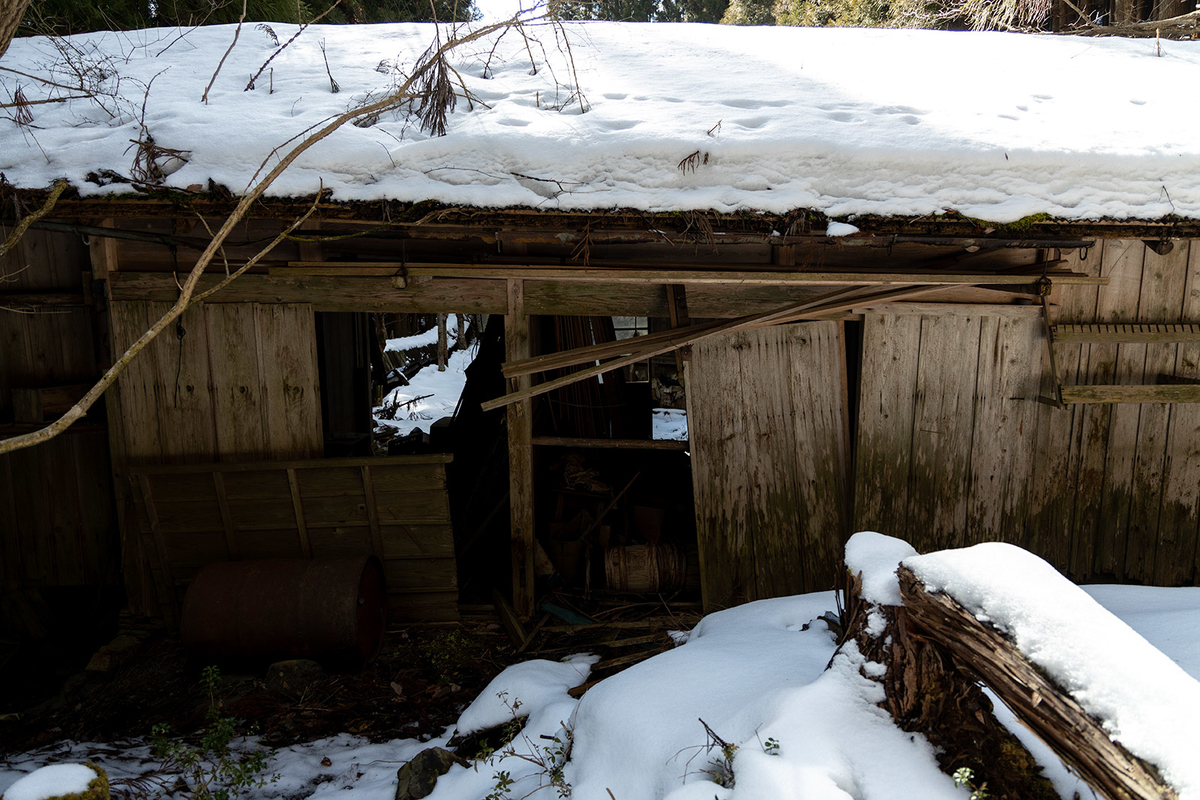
[679, 117]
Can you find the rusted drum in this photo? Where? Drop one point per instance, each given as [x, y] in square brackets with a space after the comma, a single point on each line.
[326, 609]
[644, 568]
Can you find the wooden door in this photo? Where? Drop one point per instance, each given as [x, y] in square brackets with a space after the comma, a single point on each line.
[767, 418]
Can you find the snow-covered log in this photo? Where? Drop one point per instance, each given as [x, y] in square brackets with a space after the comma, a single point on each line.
[927, 692]
[934, 619]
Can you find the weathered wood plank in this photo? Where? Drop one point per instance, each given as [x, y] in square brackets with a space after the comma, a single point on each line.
[520, 454]
[1143, 333]
[238, 412]
[943, 417]
[819, 398]
[720, 475]
[1132, 395]
[287, 366]
[1164, 283]
[181, 384]
[1056, 464]
[1122, 261]
[417, 541]
[886, 414]
[1179, 522]
[775, 521]
[138, 398]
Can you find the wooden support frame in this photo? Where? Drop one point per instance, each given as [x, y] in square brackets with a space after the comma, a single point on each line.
[520, 454]
[1127, 334]
[1162, 393]
[657, 344]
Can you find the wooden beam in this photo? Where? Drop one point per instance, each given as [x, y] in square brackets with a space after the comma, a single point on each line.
[1127, 334]
[520, 456]
[677, 311]
[640, 348]
[1162, 393]
[31, 301]
[609, 444]
[45, 403]
[309, 463]
[655, 274]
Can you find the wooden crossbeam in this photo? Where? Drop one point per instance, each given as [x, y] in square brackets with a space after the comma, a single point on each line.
[1169, 393]
[837, 301]
[1127, 334]
[685, 274]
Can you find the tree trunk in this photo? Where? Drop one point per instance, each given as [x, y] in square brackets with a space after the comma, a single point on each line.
[441, 342]
[11, 12]
[928, 692]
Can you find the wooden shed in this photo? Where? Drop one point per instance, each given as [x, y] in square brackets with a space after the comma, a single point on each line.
[930, 376]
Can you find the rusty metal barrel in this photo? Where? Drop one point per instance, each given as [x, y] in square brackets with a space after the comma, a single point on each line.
[326, 609]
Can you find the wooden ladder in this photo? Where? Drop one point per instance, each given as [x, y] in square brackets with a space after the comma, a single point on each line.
[1122, 333]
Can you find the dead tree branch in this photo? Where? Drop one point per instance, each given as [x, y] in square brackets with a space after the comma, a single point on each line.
[254, 192]
[23, 225]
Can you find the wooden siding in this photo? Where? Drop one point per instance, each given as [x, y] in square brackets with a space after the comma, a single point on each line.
[767, 426]
[240, 383]
[959, 443]
[57, 524]
[395, 508]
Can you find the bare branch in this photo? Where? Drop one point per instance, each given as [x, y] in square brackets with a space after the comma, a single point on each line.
[188, 287]
[221, 63]
[23, 225]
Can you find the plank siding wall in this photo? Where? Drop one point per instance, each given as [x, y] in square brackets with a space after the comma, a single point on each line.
[57, 524]
[240, 384]
[767, 426]
[954, 446]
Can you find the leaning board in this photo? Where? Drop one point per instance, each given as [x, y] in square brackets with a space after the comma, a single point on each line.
[395, 508]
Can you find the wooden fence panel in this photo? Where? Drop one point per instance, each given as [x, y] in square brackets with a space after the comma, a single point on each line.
[312, 508]
[767, 430]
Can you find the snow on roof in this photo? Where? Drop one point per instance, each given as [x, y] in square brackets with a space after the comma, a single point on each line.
[679, 117]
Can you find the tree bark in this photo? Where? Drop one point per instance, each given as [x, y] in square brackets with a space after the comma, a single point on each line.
[928, 692]
[1051, 713]
[11, 12]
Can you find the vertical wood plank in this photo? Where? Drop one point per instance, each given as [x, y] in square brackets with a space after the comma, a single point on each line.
[1122, 263]
[138, 398]
[1179, 523]
[163, 578]
[231, 543]
[240, 427]
[291, 395]
[181, 382]
[819, 406]
[943, 417]
[1164, 282]
[520, 455]
[887, 404]
[372, 512]
[720, 478]
[1056, 466]
[298, 510]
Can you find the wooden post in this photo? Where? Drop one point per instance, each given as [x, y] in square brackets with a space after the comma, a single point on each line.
[520, 454]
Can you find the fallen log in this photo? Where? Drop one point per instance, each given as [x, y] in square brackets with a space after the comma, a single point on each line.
[927, 692]
[1076, 737]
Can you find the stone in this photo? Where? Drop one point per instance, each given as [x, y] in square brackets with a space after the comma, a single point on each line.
[294, 675]
[417, 778]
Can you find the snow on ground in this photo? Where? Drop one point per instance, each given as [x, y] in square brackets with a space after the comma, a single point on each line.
[54, 780]
[756, 675]
[668, 423]
[425, 338]
[679, 117]
[429, 395]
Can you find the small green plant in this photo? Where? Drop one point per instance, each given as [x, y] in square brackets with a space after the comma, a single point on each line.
[550, 759]
[965, 776]
[771, 746]
[720, 766]
[212, 769]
